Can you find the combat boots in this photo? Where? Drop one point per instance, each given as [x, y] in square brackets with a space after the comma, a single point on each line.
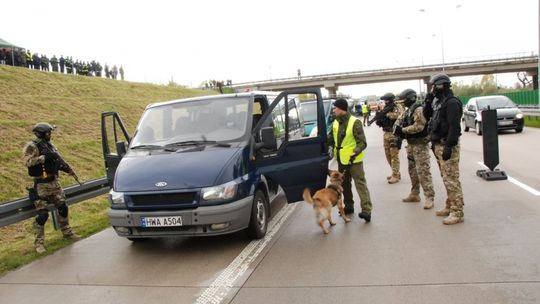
[453, 219]
[67, 232]
[443, 212]
[389, 177]
[428, 204]
[39, 234]
[412, 198]
[393, 180]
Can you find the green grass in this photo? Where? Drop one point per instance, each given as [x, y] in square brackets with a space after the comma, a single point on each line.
[532, 121]
[74, 104]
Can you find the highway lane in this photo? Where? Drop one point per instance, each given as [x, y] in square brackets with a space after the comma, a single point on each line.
[405, 255]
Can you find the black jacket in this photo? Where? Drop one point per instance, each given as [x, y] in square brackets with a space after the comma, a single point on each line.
[445, 123]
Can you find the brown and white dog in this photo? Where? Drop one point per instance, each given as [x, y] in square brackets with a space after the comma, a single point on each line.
[326, 198]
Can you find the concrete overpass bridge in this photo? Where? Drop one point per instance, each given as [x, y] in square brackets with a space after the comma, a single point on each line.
[331, 82]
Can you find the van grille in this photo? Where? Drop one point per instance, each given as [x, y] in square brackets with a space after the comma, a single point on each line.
[164, 200]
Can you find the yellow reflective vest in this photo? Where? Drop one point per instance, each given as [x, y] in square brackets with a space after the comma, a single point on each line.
[365, 109]
[348, 144]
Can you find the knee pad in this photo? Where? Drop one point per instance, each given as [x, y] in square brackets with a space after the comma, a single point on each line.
[63, 210]
[43, 215]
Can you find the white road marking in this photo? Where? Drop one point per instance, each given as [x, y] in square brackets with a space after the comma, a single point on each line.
[518, 183]
[222, 285]
[522, 185]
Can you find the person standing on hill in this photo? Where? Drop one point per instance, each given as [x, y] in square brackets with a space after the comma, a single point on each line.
[54, 63]
[121, 70]
[44, 162]
[62, 62]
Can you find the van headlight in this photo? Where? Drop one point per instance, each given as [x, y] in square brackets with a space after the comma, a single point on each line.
[519, 115]
[222, 192]
[116, 199]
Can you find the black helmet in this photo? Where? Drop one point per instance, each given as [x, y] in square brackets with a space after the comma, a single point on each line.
[41, 128]
[408, 96]
[439, 79]
[388, 96]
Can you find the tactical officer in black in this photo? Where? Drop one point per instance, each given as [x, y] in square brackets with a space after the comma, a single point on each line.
[445, 130]
[44, 162]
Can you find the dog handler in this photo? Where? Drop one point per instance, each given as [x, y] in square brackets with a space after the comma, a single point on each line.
[349, 142]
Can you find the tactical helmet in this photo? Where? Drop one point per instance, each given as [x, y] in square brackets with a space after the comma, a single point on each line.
[408, 96]
[42, 127]
[439, 79]
[388, 96]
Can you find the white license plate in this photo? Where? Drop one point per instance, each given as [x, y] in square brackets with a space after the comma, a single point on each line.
[505, 122]
[163, 221]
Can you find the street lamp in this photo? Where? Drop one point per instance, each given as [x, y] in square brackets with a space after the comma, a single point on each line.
[442, 34]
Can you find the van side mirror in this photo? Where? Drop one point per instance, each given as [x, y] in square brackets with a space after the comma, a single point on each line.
[121, 148]
[268, 139]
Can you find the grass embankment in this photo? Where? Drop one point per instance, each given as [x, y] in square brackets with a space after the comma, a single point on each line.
[532, 121]
[74, 104]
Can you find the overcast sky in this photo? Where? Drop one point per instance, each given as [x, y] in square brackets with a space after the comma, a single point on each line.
[194, 40]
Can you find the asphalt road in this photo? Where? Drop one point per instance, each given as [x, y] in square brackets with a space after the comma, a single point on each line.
[405, 255]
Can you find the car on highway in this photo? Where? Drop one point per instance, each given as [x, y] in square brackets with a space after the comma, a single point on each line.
[211, 165]
[509, 116]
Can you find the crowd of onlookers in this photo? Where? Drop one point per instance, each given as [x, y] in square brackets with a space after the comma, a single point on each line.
[27, 59]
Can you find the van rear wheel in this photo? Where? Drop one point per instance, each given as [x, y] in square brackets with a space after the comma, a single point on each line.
[259, 216]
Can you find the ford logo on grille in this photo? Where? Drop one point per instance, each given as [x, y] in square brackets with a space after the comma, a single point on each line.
[161, 184]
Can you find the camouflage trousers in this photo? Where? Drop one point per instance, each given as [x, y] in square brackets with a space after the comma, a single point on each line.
[450, 175]
[52, 193]
[392, 153]
[419, 169]
[356, 173]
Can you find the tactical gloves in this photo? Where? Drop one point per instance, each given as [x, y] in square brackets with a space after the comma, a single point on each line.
[447, 153]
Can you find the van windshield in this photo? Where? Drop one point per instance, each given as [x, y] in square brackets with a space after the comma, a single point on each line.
[495, 103]
[219, 119]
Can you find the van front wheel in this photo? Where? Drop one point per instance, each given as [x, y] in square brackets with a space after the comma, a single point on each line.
[259, 216]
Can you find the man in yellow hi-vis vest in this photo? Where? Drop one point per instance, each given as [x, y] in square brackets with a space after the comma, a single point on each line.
[349, 142]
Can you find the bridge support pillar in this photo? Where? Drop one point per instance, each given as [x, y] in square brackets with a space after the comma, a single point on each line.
[426, 83]
[332, 90]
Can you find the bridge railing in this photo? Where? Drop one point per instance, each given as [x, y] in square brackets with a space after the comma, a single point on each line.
[525, 56]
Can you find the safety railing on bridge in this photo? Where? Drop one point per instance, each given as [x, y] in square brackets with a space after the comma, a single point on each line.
[503, 58]
[14, 211]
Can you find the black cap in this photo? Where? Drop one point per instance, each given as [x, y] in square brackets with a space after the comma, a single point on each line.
[341, 104]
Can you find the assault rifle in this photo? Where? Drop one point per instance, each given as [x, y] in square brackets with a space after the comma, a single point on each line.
[379, 115]
[55, 160]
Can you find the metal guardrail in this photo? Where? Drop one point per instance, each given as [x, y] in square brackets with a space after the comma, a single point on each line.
[21, 209]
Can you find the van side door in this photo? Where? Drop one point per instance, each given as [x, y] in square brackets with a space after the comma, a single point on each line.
[115, 140]
[293, 160]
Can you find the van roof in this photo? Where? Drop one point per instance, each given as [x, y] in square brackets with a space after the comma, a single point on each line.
[206, 97]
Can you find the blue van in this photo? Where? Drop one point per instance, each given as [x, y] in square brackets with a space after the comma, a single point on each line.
[211, 165]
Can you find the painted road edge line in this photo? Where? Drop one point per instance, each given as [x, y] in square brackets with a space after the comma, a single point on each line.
[221, 286]
[518, 183]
